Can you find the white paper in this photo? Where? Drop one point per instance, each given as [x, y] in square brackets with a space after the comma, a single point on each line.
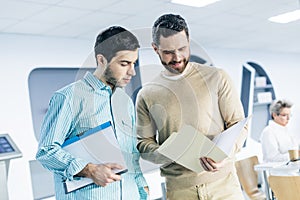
[77, 184]
[226, 140]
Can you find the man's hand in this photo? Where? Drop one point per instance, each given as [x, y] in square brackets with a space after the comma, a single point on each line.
[101, 174]
[146, 188]
[210, 165]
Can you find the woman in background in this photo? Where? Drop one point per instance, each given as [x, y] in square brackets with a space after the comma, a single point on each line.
[275, 139]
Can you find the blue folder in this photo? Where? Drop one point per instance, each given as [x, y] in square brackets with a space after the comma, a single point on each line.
[97, 145]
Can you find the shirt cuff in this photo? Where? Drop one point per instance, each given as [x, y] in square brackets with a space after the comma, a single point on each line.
[75, 167]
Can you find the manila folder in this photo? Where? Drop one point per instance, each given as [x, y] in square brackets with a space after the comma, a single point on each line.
[187, 146]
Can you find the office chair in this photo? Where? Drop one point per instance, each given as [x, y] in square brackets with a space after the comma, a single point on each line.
[285, 187]
[248, 177]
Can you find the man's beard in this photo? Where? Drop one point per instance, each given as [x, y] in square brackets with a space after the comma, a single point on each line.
[109, 77]
[172, 70]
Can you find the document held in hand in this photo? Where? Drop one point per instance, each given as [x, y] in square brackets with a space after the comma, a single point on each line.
[97, 145]
[187, 145]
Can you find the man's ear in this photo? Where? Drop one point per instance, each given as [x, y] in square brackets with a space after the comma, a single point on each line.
[101, 60]
[154, 47]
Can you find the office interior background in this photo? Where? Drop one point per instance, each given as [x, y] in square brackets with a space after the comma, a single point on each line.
[61, 33]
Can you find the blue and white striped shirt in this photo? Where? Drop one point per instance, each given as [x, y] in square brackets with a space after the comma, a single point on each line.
[75, 109]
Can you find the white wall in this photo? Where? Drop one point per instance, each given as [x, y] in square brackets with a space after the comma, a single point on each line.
[283, 71]
[20, 54]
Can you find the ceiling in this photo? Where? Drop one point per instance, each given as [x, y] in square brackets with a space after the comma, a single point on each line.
[238, 24]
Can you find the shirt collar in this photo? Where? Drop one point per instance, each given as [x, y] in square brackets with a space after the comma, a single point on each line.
[277, 126]
[94, 82]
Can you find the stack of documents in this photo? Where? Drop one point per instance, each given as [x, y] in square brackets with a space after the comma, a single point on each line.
[98, 145]
[188, 145]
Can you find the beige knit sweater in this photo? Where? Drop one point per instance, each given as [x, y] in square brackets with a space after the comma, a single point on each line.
[203, 97]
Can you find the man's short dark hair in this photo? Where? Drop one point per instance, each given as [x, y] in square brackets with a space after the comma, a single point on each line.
[114, 39]
[167, 25]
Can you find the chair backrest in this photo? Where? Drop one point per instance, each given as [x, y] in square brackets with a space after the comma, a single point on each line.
[285, 187]
[248, 177]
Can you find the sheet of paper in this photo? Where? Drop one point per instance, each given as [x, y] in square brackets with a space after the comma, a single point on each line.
[227, 138]
[188, 145]
[77, 184]
[97, 146]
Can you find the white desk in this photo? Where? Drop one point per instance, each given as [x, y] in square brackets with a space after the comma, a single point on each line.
[292, 169]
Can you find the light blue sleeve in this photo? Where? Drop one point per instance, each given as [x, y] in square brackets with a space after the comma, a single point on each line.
[56, 127]
[139, 178]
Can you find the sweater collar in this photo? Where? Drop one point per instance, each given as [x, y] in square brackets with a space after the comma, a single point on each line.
[179, 76]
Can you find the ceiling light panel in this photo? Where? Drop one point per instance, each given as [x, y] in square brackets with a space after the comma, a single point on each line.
[286, 17]
[195, 3]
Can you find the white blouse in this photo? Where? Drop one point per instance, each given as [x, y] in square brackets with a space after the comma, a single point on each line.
[276, 141]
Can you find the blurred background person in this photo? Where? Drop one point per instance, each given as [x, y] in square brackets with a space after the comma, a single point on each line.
[275, 138]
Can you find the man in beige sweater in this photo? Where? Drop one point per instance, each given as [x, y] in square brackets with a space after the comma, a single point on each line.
[193, 94]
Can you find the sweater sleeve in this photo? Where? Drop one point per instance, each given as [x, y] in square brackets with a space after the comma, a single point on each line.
[146, 134]
[231, 107]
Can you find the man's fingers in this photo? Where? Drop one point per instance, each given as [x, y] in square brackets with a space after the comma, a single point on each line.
[114, 166]
[208, 164]
[204, 166]
[115, 177]
[211, 163]
[203, 163]
[112, 178]
[104, 174]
